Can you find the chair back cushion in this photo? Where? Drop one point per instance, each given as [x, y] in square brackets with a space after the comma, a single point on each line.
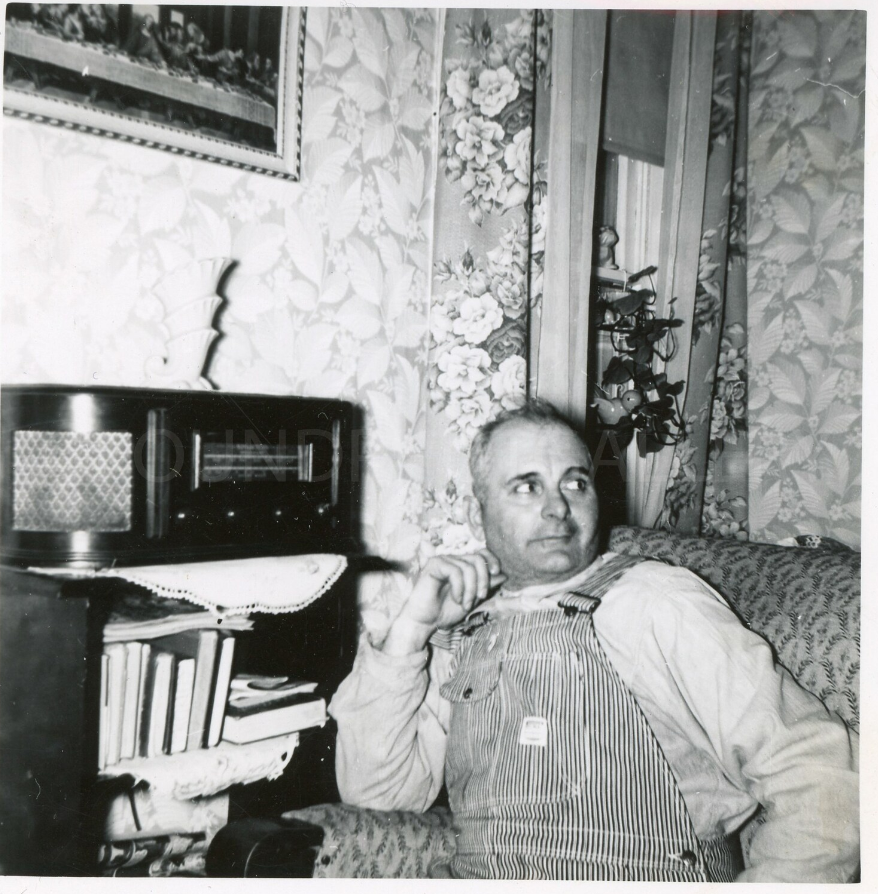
[805, 602]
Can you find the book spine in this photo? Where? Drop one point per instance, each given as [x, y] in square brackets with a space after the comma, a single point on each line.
[159, 703]
[205, 670]
[131, 701]
[142, 690]
[221, 691]
[104, 718]
[117, 654]
[169, 712]
[182, 704]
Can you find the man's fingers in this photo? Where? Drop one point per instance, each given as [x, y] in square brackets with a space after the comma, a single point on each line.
[483, 577]
[470, 581]
[454, 579]
[491, 561]
[466, 579]
[496, 575]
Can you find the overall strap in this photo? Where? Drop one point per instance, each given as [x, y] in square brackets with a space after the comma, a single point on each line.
[586, 599]
[588, 596]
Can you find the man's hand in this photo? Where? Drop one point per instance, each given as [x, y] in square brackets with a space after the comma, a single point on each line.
[446, 591]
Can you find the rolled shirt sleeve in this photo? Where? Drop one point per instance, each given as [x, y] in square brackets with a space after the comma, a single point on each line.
[392, 728]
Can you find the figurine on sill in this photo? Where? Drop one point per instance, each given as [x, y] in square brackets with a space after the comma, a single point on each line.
[607, 241]
[596, 717]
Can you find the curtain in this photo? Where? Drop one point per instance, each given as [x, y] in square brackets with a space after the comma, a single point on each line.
[772, 447]
[705, 472]
[487, 255]
[804, 273]
[685, 178]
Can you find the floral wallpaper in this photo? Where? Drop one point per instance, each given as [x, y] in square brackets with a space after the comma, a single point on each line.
[329, 295]
[482, 247]
[805, 273]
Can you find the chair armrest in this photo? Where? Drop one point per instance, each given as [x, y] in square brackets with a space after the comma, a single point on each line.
[264, 848]
[361, 843]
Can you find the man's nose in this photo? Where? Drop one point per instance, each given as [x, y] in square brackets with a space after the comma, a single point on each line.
[555, 505]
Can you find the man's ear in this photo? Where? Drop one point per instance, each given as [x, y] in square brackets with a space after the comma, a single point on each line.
[474, 516]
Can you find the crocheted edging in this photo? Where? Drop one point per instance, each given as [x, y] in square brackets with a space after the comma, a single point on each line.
[228, 611]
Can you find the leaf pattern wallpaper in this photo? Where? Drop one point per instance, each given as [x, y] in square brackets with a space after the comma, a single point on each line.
[805, 273]
[330, 292]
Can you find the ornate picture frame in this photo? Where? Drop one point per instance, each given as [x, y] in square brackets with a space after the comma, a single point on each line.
[221, 83]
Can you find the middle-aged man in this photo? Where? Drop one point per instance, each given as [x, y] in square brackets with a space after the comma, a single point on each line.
[600, 717]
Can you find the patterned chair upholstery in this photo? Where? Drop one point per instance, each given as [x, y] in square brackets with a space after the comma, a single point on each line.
[805, 602]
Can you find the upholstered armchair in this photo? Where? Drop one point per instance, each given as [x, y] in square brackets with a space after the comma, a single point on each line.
[804, 601]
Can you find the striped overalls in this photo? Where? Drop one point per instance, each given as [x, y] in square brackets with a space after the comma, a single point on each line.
[552, 770]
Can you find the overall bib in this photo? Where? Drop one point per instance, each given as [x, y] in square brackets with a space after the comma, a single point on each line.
[551, 767]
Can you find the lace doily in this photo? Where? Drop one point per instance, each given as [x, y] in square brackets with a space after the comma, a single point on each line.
[206, 771]
[239, 586]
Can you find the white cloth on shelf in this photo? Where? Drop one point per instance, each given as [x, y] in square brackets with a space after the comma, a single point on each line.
[239, 586]
[206, 771]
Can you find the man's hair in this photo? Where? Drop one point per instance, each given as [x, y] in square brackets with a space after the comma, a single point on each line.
[535, 410]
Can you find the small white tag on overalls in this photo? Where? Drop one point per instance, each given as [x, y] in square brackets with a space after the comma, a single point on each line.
[534, 731]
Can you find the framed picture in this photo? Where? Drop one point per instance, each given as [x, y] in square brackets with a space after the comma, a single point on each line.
[222, 83]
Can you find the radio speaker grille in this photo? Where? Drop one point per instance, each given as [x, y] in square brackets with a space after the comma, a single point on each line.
[72, 481]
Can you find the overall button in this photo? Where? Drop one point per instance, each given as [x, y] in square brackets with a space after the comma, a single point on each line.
[687, 858]
[467, 692]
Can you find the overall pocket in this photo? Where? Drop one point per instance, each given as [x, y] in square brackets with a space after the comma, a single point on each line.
[475, 714]
[516, 732]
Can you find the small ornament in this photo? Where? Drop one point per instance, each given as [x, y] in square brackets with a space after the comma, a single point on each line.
[607, 239]
[190, 301]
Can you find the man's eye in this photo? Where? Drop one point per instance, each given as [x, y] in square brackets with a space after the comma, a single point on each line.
[526, 487]
[579, 485]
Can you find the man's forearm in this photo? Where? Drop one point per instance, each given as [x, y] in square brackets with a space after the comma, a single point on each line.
[391, 741]
[407, 636]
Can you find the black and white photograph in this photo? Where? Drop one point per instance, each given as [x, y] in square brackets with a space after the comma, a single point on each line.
[432, 444]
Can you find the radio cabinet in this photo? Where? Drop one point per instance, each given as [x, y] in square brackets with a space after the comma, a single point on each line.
[129, 476]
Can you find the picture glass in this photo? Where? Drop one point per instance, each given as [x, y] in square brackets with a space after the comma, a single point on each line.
[221, 82]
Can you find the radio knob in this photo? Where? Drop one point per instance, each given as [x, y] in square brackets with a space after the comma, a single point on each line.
[323, 508]
[230, 513]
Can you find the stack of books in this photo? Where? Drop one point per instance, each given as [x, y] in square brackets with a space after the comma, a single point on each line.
[261, 707]
[165, 676]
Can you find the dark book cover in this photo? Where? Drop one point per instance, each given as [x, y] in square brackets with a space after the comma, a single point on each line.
[294, 698]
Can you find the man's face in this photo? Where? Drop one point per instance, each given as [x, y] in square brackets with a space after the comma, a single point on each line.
[538, 507]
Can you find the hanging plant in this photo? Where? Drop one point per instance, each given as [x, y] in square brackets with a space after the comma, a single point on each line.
[638, 400]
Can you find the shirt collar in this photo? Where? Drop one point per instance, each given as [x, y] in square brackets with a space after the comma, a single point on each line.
[538, 596]
[569, 585]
